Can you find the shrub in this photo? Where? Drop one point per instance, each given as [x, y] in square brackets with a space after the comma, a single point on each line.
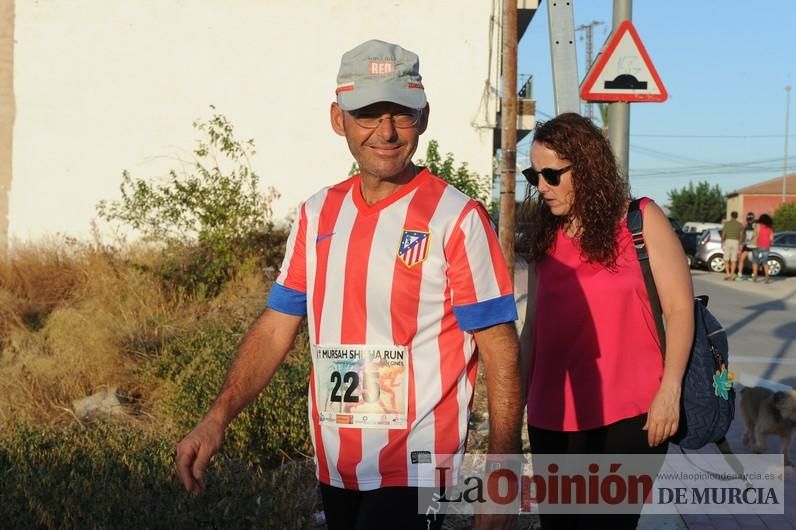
[466, 181]
[271, 429]
[115, 476]
[785, 217]
[206, 219]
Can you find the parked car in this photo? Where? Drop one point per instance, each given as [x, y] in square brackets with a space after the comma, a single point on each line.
[781, 259]
[693, 226]
[708, 253]
[687, 239]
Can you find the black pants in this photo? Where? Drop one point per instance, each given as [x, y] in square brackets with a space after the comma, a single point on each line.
[384, 508]
[623, 437]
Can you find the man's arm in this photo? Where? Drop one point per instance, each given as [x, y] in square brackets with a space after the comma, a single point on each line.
[261, 352]
[500, 351]
[499, 347]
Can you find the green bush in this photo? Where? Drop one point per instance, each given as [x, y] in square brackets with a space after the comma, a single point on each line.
[462, 178]
[271, 429]
[116, 476]
[207, 218]
[785, 217]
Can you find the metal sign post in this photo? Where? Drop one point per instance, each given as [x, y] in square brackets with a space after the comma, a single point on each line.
[619, 112]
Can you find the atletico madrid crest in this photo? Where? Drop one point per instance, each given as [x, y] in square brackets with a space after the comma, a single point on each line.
[414, 247]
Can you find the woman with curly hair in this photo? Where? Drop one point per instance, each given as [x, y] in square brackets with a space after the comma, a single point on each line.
[597, 379]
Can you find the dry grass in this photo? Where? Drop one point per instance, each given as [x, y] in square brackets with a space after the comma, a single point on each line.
[33, 281]
[78, 317]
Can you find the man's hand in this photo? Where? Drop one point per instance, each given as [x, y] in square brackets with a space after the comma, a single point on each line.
[194, 453]
[262, 351]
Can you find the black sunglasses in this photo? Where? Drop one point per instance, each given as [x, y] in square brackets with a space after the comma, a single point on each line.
[551, 176]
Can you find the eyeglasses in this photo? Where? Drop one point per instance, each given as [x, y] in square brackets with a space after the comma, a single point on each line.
[551, 176]
[372, 120]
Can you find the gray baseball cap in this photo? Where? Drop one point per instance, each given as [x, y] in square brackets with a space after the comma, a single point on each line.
[379, 71]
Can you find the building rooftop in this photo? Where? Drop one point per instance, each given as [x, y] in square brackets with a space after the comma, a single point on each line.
[768, 187]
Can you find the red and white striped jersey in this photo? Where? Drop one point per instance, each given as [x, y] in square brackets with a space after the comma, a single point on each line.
[391, 293]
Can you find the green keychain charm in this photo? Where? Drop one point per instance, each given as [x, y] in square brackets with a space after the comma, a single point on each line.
[722, 382]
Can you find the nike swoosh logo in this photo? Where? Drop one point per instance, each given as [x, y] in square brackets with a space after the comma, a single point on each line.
[322, 237]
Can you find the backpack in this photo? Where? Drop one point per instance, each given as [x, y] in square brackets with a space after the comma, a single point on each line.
[707, 404]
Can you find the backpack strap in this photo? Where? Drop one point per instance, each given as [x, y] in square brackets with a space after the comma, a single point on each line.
[732, 460]
[635, 224]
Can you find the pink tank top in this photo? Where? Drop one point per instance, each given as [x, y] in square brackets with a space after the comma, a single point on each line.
[596, 356]
[764, 234]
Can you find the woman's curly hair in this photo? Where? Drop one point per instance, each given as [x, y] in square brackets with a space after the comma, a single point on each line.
[601, 193]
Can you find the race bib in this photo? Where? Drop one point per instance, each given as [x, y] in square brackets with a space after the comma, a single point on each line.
[362, 386]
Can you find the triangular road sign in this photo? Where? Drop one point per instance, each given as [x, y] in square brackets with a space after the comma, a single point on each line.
[623, 71]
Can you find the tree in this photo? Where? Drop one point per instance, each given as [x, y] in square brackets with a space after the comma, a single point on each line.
[702, 203]
[205, 216]
[461, 178]
[785, 217]
[468, 182]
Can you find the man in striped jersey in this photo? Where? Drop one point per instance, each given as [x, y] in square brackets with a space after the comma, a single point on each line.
[403, 284]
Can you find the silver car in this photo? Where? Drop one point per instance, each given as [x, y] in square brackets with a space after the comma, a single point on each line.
[781, 257]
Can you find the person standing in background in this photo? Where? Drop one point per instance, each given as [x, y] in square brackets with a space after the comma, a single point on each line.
[765, 233]
[732, 236]
[748, 245]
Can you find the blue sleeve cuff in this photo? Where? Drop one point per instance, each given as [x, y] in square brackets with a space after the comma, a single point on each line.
[286, 300]
[487, 313]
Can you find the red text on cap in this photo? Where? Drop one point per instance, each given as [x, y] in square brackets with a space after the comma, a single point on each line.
[381, 67]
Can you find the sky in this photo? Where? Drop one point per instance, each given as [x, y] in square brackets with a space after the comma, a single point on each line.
[725, 65]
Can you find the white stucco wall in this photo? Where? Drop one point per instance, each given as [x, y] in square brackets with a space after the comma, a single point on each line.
[108, 85]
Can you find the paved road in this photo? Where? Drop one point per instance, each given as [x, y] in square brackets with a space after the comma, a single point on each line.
[760, 321]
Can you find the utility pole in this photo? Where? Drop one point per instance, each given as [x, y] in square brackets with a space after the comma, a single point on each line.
[785, 159]
[508, 134]
[619, 111]
[587, 29]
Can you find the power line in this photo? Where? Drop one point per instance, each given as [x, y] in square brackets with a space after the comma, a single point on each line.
[707, 170]
[667, 156]
[678, 135]
[688, 167]
[683, 159]
[739, 136]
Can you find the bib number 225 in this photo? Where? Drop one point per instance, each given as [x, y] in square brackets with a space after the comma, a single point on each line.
[370, 387]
